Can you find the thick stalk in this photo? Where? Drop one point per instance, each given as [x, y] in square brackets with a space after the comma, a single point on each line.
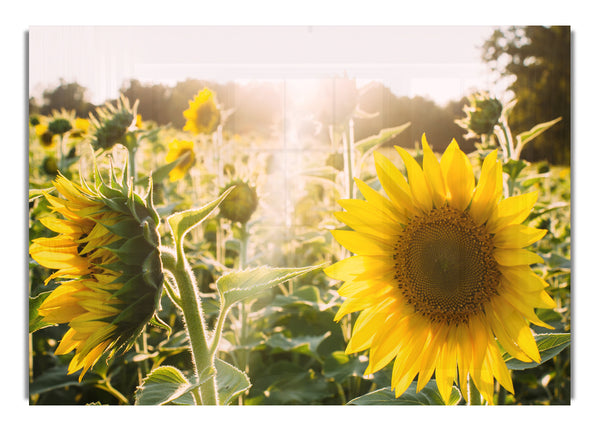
[242, 262]
[194, 320]
[348, 159]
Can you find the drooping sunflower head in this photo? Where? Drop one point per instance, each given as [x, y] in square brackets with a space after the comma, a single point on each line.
[107, 259]
[482, 114]
[440, 274]
[240, 203]
[185, 151]
[61, 122]
[111, 124]
[203, 115]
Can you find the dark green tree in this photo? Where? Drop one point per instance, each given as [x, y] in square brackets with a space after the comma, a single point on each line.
[538, 61]
[70, 96]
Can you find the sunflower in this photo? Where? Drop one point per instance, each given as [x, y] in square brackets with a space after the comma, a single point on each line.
[111, 123]
[106, 254]
[203, 115]
[440, 274]
[177, 149]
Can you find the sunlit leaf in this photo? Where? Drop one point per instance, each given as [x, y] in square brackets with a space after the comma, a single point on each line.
[339, 366]
[161, 173]
[241, 285]
[35, 320]
[429, 395]
[535, 131]
[162, 385]
[307, 344]
[231, 381]
[549, 346]
[53, 378]
[379, 139]
[36, 193]
[182, 222]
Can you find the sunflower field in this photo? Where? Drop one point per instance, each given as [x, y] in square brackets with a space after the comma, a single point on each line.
[192, 266]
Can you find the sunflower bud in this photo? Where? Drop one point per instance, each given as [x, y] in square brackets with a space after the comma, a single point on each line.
[107, 256]
[112, 124]
[240, 203]
[59, 126]
[483, 114]
[50, 165]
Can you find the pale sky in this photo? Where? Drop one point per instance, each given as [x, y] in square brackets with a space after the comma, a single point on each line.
[441, 62]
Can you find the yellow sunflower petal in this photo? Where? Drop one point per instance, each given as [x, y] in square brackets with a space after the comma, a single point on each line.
[433, 174]
[517, 236]
[416, 180]
[359, 267]
[512, 210]
[486, 193]
[366, 325]
[381, 203]
[394, 184]
[361, 243]
[458, 176]
[445, 370]
[516, 257]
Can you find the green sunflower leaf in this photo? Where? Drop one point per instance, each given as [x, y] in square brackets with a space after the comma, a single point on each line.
[35, 320]
[549, 346]
[54, 378]
[306, 345]
[381, 138]
[429, 395]
[523, 138]
[37, 193]
[161, 173]
[163, 385]
[339, 366]
[231, 382]
[241, 285]
[181, 222]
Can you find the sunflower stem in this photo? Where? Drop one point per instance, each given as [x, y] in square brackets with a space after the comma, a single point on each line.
[347, 140]
[194, 320]
[242, 262]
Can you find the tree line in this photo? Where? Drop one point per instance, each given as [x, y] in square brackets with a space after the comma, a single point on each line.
[537, 59]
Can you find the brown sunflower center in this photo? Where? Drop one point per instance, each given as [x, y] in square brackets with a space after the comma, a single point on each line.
[444, 265]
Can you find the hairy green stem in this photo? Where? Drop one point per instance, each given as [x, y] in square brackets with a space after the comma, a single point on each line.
[194, 320]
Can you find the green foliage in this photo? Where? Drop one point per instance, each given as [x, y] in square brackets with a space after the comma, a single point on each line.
[268, 309]
[429, 395]
[242, 285]
[539, 60]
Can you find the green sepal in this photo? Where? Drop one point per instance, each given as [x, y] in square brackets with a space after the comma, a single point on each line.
[123, 228]
[150, 202]
[152, 270]
[159, 323]
[150, 233]
[130, 283]
[35, 320]
[117, 204]
[133, 251]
